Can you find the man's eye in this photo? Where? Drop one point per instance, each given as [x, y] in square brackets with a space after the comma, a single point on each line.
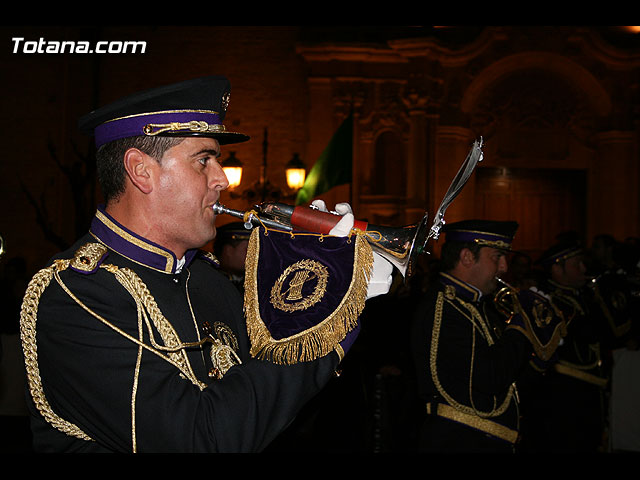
[204, 160]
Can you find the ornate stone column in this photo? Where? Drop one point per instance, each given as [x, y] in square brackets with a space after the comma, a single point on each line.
[419, 157]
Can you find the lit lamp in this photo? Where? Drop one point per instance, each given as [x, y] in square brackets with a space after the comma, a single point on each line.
[233, 170]
[296, 173]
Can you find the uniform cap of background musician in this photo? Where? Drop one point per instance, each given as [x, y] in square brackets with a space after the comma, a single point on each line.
[487, 233]
[564, 263]
[230, 247]
[474, 235]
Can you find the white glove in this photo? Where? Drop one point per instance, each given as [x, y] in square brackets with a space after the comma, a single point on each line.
[345, 224]
[381, 279]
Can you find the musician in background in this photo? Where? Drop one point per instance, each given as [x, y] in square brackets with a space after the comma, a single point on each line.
[567, 407]
[466, 360]
[230, 248]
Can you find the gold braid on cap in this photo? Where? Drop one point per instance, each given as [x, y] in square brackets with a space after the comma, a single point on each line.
[152, 129]
[493, 243]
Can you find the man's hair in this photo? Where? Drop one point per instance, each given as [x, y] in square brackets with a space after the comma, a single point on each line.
[110, 165]
[450, 254]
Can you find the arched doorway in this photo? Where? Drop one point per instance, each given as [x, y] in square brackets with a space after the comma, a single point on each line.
[545, 202]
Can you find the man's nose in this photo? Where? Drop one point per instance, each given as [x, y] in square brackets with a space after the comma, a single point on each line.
[502, 265]
[218, 179]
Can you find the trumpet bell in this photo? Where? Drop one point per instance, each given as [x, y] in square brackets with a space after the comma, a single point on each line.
[400, 246]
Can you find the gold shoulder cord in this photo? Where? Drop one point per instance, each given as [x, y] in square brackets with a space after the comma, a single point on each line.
[477, 322]
[147, 310]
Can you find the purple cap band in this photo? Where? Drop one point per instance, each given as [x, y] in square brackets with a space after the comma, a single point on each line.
[134, 125]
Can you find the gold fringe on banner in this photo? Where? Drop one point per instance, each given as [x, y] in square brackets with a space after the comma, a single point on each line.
[321, 339]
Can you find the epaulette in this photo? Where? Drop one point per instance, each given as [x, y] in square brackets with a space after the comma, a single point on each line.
[88, 258]
[209, 258]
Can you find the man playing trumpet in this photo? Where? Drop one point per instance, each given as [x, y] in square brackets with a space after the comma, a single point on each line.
[467, 357]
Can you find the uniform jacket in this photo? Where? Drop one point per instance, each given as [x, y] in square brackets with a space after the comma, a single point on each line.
[114, 335]
[581, 356]
[466, 361]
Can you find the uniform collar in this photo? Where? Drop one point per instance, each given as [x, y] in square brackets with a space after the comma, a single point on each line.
[132, 246]
[463, 289]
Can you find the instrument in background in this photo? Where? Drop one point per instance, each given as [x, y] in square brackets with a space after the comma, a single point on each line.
[506, 299]
[534, 315]
[1, 246]
[398, 245]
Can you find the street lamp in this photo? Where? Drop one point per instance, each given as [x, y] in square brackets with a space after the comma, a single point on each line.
[233, 170]
[295, 172]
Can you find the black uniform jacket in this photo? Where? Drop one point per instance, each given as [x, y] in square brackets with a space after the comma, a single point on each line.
[564, 407]
[116, 362]
[580, 356]
[466, 362]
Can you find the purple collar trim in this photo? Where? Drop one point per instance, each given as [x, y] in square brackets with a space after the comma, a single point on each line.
[463, 289]
[136, 248]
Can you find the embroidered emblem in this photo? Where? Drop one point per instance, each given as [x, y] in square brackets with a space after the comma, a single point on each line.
[292, 298]
[449, 292]
[223, 349]
[210, 257]
[225, 101]
[542, 314]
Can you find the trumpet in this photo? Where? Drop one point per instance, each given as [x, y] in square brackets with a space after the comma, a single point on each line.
[506, 298]
[400, 246]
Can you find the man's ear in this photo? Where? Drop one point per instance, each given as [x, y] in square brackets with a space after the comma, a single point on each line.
[138, 164]
[466, 257]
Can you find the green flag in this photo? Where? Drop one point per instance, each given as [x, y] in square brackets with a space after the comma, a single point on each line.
[333, 167]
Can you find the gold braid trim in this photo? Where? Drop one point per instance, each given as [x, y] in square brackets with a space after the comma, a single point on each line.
[477, 323]
[146, 308]
[543, 351]
[482, 424]
[320, 339]
[576, 372]
[172, 345]
[28, 314]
